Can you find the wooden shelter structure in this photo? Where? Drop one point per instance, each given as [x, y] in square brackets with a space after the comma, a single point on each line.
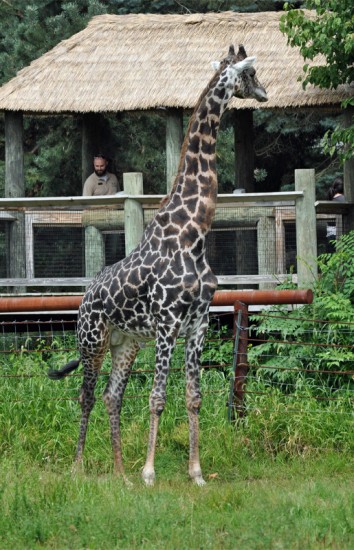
[148, 62]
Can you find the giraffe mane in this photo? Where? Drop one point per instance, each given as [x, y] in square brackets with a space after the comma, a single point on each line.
[185, 143]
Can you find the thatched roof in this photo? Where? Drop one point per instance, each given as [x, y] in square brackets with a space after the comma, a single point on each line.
[145, 61]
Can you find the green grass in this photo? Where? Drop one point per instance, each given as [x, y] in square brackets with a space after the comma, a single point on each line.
[282, 478]
[267, 504]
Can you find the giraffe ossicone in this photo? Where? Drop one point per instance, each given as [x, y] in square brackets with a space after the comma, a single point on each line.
[163, 288]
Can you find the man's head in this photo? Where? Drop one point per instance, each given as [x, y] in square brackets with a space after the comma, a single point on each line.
[100, 164]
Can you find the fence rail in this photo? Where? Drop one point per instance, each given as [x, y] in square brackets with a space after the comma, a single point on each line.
[257, 239]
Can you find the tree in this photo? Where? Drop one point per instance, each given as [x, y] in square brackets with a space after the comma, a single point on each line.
[326, 31]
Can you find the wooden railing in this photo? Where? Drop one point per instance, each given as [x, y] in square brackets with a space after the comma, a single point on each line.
[130, 211]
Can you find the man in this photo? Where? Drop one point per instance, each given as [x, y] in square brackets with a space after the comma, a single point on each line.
[100, 182]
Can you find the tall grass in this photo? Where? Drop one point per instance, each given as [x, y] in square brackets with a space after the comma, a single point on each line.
[281, 477]
[39, 418]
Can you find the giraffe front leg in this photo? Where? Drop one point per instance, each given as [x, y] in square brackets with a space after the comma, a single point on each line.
[165, 342]
[193, 406]
[194, 402]
[148, 473]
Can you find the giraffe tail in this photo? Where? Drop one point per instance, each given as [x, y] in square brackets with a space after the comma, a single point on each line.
[69, 367]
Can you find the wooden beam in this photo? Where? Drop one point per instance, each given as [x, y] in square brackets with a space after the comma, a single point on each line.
[92, 141]
[149, 200]
[174, 140]
[306, 236]
[224, 280]
[348, 172]
[14, 163]
[349, 164]
[133, 211]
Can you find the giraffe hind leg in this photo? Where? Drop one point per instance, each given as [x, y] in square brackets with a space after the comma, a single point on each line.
[194, 347]
[123, 352]
[92, 365]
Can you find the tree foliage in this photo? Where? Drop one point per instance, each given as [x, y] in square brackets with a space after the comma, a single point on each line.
[321, 330]
[327, 31]
[29, 29]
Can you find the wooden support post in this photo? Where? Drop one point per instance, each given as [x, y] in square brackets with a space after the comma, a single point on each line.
[17, 250]
[244, 150]
[306, 235]
[92, 137]
[174, 140]
[94, 251]
[14, 167]
[15, 187]
[133, 211]
[266, 249]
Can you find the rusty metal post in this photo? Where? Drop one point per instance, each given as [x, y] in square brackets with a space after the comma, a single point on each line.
[237, 392]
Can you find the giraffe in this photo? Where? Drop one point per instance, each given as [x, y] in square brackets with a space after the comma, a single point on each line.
[163, 288]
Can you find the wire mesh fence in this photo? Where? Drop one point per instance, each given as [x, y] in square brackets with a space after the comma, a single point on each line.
[314, 371]
[246, 239]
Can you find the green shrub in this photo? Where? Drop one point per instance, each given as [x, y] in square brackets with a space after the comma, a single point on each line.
[312, 342]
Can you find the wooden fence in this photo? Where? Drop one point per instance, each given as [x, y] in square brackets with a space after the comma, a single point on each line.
[257, 223]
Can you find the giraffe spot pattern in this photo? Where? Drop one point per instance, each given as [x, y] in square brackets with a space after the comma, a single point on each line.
[164, 287]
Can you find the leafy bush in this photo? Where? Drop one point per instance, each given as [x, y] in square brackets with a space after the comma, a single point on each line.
[315, 340]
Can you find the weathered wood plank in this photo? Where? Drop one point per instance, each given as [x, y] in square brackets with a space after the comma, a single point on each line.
[233, 280]
[14, 167]
[133, 211]
[306, 236]
[153, 201]
[333, 207]
[174, 140]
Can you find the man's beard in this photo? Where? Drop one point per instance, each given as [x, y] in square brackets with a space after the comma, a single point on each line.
[100, 173]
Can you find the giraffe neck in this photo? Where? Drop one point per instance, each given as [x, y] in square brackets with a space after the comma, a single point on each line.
[195, 187]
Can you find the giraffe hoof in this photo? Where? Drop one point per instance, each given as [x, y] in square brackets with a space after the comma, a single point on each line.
[149, 478]
[127, 482]
[77, 468]
[198, 480]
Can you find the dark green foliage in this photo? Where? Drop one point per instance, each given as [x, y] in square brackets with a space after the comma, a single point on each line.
[52, 164]
[321, 331]
[337, 270]
[137, 151]
[29, 29]
[330, 34]
[287, 140]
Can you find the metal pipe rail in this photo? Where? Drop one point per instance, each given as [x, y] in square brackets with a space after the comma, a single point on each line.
[221, 298]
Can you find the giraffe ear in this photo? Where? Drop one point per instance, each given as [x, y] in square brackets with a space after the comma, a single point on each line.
[244, 64]
[216, 65]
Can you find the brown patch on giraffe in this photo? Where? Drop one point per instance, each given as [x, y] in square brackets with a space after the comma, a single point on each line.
[189, 236]
[171, 231]
[180, 217]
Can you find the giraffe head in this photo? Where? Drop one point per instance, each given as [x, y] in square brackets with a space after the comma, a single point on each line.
[246, 83]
